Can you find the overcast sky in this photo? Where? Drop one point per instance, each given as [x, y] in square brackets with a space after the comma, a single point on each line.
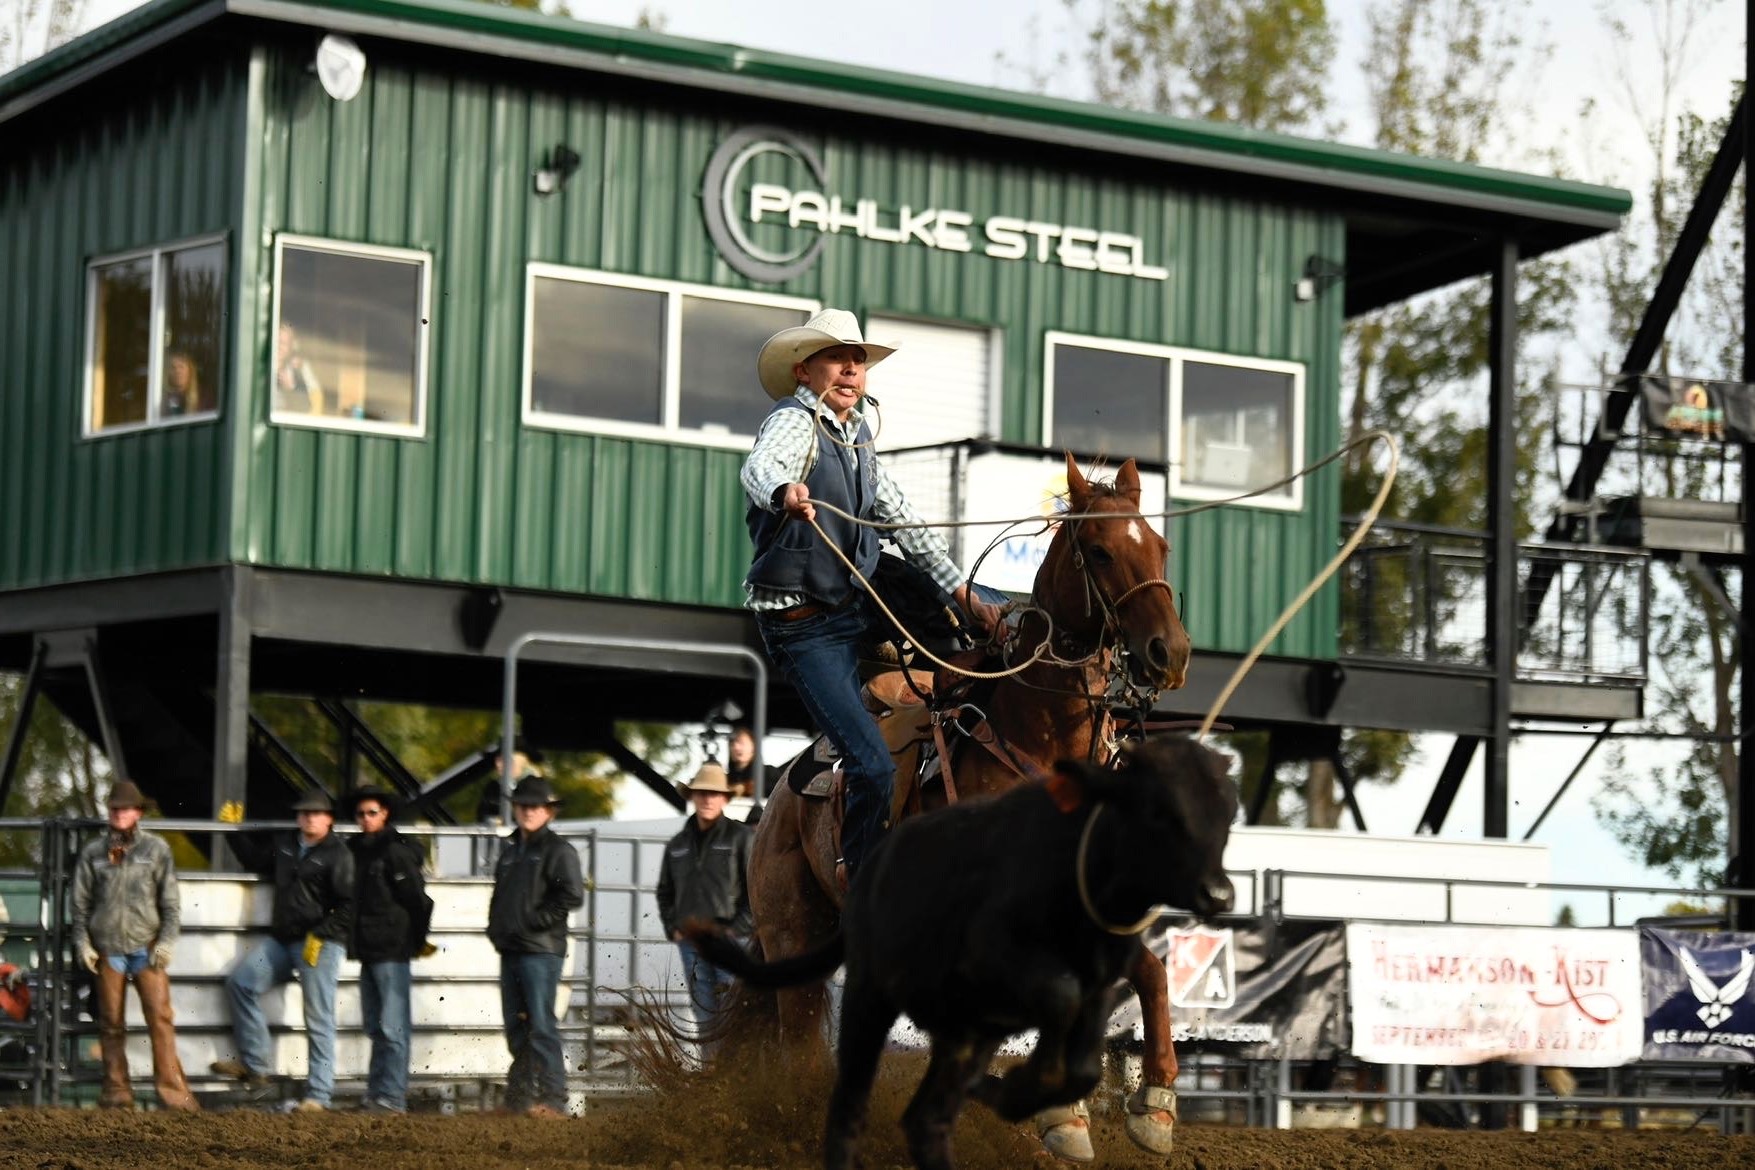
[965, 40]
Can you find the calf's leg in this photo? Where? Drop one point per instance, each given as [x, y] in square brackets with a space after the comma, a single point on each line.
[957, 1064]
[865, 1025]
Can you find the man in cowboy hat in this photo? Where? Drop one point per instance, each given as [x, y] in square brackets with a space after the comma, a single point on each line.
[391, 914]
[815, 446]
[537, 886]
[126, 917]
[703, 877]
[307, 937]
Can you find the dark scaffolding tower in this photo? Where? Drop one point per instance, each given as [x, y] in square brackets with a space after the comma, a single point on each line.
[1742, 819]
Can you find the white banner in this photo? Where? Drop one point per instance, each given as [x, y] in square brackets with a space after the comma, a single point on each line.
[997, 484]
[1462, 995]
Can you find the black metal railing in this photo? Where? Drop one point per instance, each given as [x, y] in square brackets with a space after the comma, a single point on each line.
[1416, 593]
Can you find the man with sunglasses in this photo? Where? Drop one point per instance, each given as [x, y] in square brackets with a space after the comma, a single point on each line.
[391, 914]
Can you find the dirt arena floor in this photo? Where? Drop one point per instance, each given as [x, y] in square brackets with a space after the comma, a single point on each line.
[708, 1127]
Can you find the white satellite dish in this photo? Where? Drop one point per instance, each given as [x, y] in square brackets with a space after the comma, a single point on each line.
[341, 67]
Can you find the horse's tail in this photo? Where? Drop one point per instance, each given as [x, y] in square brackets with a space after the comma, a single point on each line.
[813, 965]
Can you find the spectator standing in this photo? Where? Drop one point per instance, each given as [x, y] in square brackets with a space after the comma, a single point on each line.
[126, 917]
[743, 773]
[704, 877]
[307, 936]
[391, 914]
[537, 886]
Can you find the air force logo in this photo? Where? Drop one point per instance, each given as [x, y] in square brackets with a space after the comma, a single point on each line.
[1716, 1003]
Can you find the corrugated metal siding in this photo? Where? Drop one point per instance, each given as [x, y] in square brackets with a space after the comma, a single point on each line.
[443, 162]
[160, 166]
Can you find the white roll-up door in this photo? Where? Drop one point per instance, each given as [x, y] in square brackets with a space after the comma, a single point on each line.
[937, 387]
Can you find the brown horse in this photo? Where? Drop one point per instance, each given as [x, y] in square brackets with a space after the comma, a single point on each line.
[1102, 602]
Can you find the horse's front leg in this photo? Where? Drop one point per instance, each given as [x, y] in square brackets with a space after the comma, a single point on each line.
[1151, 1109]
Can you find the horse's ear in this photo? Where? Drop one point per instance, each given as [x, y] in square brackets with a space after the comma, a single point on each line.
[1127, 479]
[1076, 486]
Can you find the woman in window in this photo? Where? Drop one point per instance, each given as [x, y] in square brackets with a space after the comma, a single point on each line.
[182, 384]
[296, 389]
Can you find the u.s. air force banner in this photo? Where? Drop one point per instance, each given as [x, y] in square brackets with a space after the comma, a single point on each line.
[1699, 1004]
[1462, 995]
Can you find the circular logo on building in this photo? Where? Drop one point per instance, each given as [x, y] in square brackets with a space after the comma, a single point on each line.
[742, 178]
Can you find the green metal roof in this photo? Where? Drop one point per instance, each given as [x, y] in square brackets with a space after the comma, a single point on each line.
[1413, 223]
[513, 32]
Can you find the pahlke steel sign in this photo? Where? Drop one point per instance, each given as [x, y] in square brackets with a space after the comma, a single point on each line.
[767, 211]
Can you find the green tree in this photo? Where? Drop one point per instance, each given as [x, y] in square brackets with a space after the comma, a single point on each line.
[1258, 63]
[1435, 73]
[30, 28]
[1674, 815]
[59, 773]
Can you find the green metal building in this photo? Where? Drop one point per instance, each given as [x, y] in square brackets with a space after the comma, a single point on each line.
[345, 341]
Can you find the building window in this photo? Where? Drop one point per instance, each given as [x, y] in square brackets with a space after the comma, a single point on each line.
[175, 294]
[1224, 424]
[624, 355]
[350, 336]
[941, 385]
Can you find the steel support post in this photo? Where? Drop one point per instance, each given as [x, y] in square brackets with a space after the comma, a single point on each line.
[1502, 596]
[231, 702]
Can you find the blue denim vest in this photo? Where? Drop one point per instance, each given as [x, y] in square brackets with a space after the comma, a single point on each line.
[789, 554]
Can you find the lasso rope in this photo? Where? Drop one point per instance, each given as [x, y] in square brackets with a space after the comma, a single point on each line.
[1286, 615]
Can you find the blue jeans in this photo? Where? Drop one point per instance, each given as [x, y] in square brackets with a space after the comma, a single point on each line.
[819, 656]
[706, 983]
[538, 1076]
[132, 963]
[385, 1013]
[268, 966]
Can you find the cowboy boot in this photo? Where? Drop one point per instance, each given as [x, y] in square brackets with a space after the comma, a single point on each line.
[112, 989]
[154, 985]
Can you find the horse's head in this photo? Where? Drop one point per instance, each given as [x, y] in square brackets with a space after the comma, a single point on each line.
[1103, 579]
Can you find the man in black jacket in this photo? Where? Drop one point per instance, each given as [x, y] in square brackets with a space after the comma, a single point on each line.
[537, 886]
[704, 876]
[307, 936]
[391, 914]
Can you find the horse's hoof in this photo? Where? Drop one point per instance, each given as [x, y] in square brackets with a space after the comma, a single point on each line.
[1065, 1132]
[1151, 1118]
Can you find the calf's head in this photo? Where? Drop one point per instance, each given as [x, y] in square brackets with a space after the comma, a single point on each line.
[1171, 805]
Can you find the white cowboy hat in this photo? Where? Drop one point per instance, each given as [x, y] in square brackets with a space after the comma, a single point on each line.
[790, 346]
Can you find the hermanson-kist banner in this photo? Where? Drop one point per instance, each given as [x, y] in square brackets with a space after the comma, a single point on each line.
[1466, 994]
[1699, 1004]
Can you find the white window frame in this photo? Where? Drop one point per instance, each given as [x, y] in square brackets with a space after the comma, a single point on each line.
[669, 430]
[995, 390]
[422, 323]
[1175, 356]
[155, 325]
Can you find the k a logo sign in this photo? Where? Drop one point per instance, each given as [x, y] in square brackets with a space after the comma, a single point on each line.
[1202, 963]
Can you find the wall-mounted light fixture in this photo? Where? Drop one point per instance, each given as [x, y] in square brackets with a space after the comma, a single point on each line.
[554, 171]
[1319, 273]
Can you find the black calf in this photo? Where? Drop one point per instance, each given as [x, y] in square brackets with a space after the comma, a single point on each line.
[977, 922]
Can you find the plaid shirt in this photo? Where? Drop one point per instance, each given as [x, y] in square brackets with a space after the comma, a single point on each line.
[782, 452]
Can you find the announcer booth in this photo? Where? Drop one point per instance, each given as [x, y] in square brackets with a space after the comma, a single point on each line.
[365, 337]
